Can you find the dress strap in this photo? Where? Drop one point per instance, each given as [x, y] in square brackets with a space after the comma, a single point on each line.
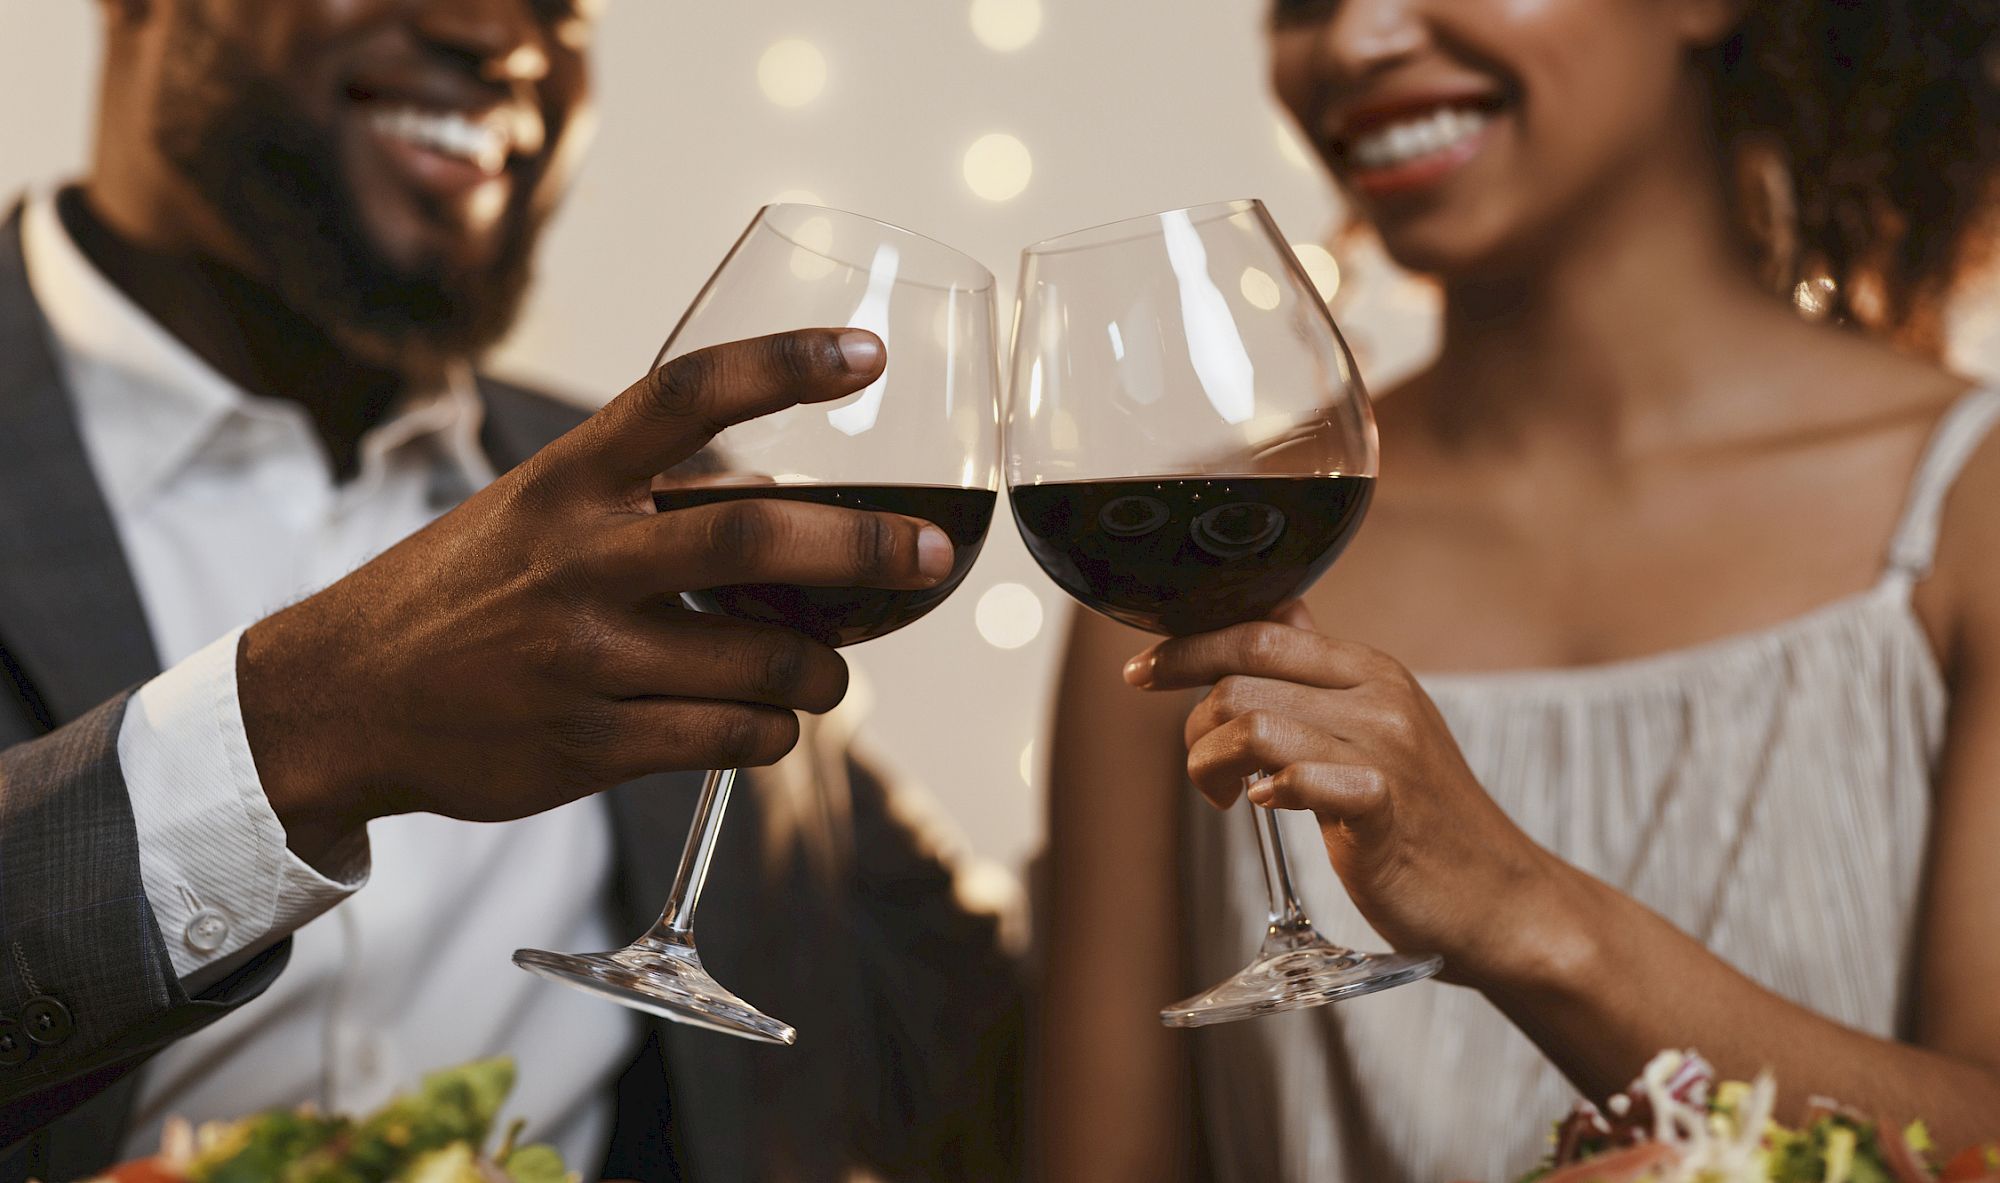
[1958, 435]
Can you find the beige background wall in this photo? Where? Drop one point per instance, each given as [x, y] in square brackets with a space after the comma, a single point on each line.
[1123, 106]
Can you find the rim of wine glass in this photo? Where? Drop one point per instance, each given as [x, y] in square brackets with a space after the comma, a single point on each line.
[1101, 235]
[980, 273]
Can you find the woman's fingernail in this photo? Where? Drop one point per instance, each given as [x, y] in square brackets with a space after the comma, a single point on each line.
[862, 351]
[1262, 792]
[1139, 670]
[934, 553]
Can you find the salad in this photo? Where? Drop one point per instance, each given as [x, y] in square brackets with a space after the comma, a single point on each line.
[437, 1134]
[1676, 1124]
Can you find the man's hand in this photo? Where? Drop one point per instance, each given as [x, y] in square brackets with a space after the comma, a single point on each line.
[530, 648]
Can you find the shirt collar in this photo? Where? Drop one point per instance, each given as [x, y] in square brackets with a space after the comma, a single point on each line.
[147, 404]
[448, 421]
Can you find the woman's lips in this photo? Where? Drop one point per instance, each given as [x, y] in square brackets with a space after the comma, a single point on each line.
[1413, 149]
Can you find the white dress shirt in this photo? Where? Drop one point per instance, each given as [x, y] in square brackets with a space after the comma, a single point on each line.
[227, 510]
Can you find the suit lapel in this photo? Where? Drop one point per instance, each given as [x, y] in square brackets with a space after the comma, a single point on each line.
[70, 619]
[72, 633]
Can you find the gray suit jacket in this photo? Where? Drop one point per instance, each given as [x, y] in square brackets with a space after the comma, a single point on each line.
[825, 907]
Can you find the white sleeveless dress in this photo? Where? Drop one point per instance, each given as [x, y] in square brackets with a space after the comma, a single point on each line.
[1768, 793]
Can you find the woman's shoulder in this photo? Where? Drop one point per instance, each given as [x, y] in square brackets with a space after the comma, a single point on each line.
[1952, 527]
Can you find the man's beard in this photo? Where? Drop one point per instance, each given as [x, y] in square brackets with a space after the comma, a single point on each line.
[277, 182]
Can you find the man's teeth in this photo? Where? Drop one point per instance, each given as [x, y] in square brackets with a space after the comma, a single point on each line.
[1412, 139]
[448, 133]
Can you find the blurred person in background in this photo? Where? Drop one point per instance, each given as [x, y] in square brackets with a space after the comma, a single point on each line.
[236, 364]
[1702, 594]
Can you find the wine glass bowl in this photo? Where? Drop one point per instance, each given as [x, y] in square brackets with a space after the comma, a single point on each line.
[1187, 554]
[1188, 447]
[921, 440]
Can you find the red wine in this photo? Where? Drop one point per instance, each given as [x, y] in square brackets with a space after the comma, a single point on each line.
[845, 615]
[1179, 555]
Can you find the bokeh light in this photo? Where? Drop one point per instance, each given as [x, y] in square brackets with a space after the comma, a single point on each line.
[983, 885]
[1028, 764]
[1008, 616]
[1260, 289]
[1321, 267]
[792, 73]
[1006, 25]
[998, 166]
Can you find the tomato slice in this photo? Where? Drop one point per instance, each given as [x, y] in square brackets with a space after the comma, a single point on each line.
[1974, 1164]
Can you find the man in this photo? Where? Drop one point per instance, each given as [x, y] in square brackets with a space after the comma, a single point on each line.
[234, 366]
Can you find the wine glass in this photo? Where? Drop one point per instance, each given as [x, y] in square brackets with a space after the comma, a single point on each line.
[921, 440]
[1188, 447]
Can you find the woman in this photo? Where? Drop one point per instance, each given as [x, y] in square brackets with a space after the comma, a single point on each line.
[1704, 747]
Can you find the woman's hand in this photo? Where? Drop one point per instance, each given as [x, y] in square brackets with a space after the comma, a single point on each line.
[1345, 731]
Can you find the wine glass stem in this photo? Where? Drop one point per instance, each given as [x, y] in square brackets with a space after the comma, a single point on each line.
[1289, 925]
[676, 924]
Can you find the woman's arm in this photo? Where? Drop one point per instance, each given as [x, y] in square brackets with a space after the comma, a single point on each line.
[1958, 984]
[1112, 1102]
[1596, 979]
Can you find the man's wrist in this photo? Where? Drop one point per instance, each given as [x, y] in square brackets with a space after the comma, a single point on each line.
[213, 854]
[286, 714]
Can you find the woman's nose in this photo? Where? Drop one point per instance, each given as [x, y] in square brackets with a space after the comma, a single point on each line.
[1359, 38]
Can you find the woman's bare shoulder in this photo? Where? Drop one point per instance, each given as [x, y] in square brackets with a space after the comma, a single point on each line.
[1960, 601]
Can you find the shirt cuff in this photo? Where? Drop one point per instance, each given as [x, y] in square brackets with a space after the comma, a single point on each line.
[212, 854]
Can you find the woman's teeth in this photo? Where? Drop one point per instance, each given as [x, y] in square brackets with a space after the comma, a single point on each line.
[448, 133]
[1413, 139]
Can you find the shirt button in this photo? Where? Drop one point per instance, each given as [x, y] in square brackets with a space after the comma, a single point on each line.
[15, 1050]
[206, 931]
[46, 1021]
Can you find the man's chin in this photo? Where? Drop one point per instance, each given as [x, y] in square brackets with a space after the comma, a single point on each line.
[408, 234]
[415, 296]
[420, 299]
[420, 360]
[422, 330]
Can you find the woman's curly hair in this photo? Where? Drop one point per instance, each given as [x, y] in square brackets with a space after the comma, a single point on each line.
[1865, 136]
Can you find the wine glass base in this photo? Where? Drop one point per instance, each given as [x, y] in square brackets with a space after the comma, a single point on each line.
[661, 979]
[1296, 978]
